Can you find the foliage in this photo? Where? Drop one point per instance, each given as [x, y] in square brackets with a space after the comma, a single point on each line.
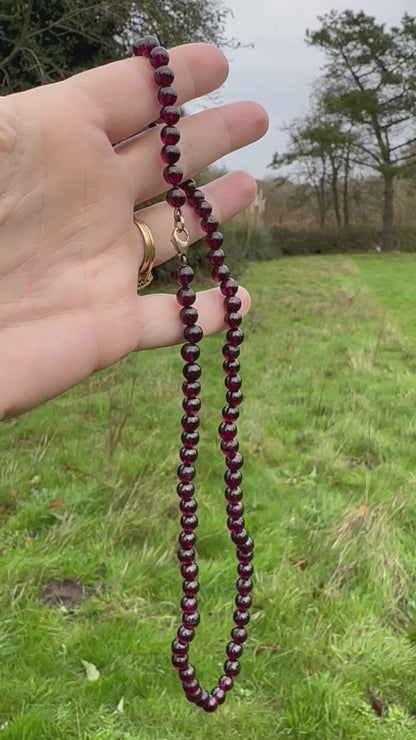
[328, 432]
[43, 41]
[332, 240]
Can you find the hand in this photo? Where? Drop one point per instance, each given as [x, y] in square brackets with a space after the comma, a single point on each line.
[69, 250]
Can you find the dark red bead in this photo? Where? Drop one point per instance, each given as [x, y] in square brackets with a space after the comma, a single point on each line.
[184, 275]
[190, 588]
[241, 618]
[186, 473]
[227, 431]
[210, 705]
[189, 604]
[196, 196]
[188, 455]
[188, 507]
[235, 336]
[190, 620]
[243, 602]
[167, 96]
[209, 223]
[230, 353]
[185, 296]
[189, 522]
[188, 315]
[192, 405]
[231, 367]
[233, 495]
[189, 572]
[229, 446]
[247, 548]
[171, 135]
[232, 303]
[233, 319]
[176, 197]
[202, 208]
[179, 661]
[219, 694]
[220, 273]
[190, 353]
[172, 174]
[234, 650]
[229, 287]
[191, 370]
[170, 114]
[185, 636]
[245, 570]
[234, 511]
[239, 538]
[191, 389]
[185, 491]
[164, 76]
[144, 46]
[235, 462]
[215, 257]
[158, 57]
[179, 648]
[239, 635]
[186, 557]
[191, 687]
[234, 398]
[229, 413]
[203, 698]
[170, 153]
[189, 186]
[233, 478]
[231, 667]
[190, 439]
[244, 585]
[235, 525]
[193, 334]
[214, 240]
[187, 674]
[245, 557]
[232, 382]
[187, 540]
[225, 683]
[189, 423]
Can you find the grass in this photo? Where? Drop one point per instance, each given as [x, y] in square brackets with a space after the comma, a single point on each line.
[328, 432]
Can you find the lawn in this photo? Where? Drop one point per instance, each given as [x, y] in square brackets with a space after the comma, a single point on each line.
[328, 432]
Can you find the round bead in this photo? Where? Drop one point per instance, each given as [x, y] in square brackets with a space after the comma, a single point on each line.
[220, 273]
[245, 570]
[233, 478]
[233, 495]
[186, 473]
[219, 694]
[245, 557]
[239, 635]
[189, 572]
[196, 196]
[187, 674]
[190, 588]
[235, 462]
[244, 585]
[193, 334]
[188, 455]
[225, 683]
[158, 57]
[189, 186]
[233, 650]
[210, 705]
[192, 405]
[202, 699]
[235, 337]
[231, 367]
[191, 370]
[185, 491]
[190, 620]
[232, 303]
[229, 446]
[191, 687]
[230, 353]
[189, 522]
[214, 240]
[189, 604]
[232, 382]
[203, 208]
[233, 319]
[170, 153]
[171, 135]
[229, 287]
[230, 413]
[189, 316]
[235, 511]
[243, 602]
[231, 667]
[247, 547]
[190, 423]
[191, 389]
[176, 197]
[188, 507]
[170, 114]
[164, 76]
[186, 557]
[190, 353]
[241, 618]
[234, 398]
[189, 439]
[179, 648]
[179, 661]
[235, 525]
[227, 431]
[239, 538]
[185, 296]
[215, 257]
[209, 223]
[145, 45]
[187, 540]
[184, 274]
[167, 96]
[172, 174]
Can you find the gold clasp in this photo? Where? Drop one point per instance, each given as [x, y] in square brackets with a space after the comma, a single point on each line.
[180, 235]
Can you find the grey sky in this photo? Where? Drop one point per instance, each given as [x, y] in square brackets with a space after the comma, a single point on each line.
[279, 71]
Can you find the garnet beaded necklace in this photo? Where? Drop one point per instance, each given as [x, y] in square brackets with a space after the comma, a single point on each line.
[182, 192]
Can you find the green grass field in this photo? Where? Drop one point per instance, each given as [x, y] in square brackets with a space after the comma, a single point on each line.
[328, 432]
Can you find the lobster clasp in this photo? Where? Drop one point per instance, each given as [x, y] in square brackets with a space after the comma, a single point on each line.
[180, 235]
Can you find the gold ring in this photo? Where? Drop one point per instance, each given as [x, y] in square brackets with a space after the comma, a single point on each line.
[145, 276]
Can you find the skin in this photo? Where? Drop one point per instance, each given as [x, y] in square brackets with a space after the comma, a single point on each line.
[72, 167]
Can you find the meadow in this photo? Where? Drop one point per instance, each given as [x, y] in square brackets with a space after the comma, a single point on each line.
[89, 583]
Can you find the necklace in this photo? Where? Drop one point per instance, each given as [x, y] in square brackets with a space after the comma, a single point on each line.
[179, 193]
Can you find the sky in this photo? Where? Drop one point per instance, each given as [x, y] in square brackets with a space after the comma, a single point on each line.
[279, 70]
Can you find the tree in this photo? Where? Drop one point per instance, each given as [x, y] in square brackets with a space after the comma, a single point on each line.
[370, 82]
[44, 41]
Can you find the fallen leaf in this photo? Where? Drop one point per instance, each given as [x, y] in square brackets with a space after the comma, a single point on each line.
[56, 502]
[120, 705]
[93, 674]
[301, 564]
[379, 708]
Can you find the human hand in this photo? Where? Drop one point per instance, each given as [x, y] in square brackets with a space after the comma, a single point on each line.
[69, 250]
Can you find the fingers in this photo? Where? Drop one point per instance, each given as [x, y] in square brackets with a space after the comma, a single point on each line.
[228, 195]
[159, 316]
[125, 94]
[205, 138]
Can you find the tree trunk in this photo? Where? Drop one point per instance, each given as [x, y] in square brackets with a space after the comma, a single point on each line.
[345, 191]
[388, 212]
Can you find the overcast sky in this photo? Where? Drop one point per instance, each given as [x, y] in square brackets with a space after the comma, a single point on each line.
[279, 70]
